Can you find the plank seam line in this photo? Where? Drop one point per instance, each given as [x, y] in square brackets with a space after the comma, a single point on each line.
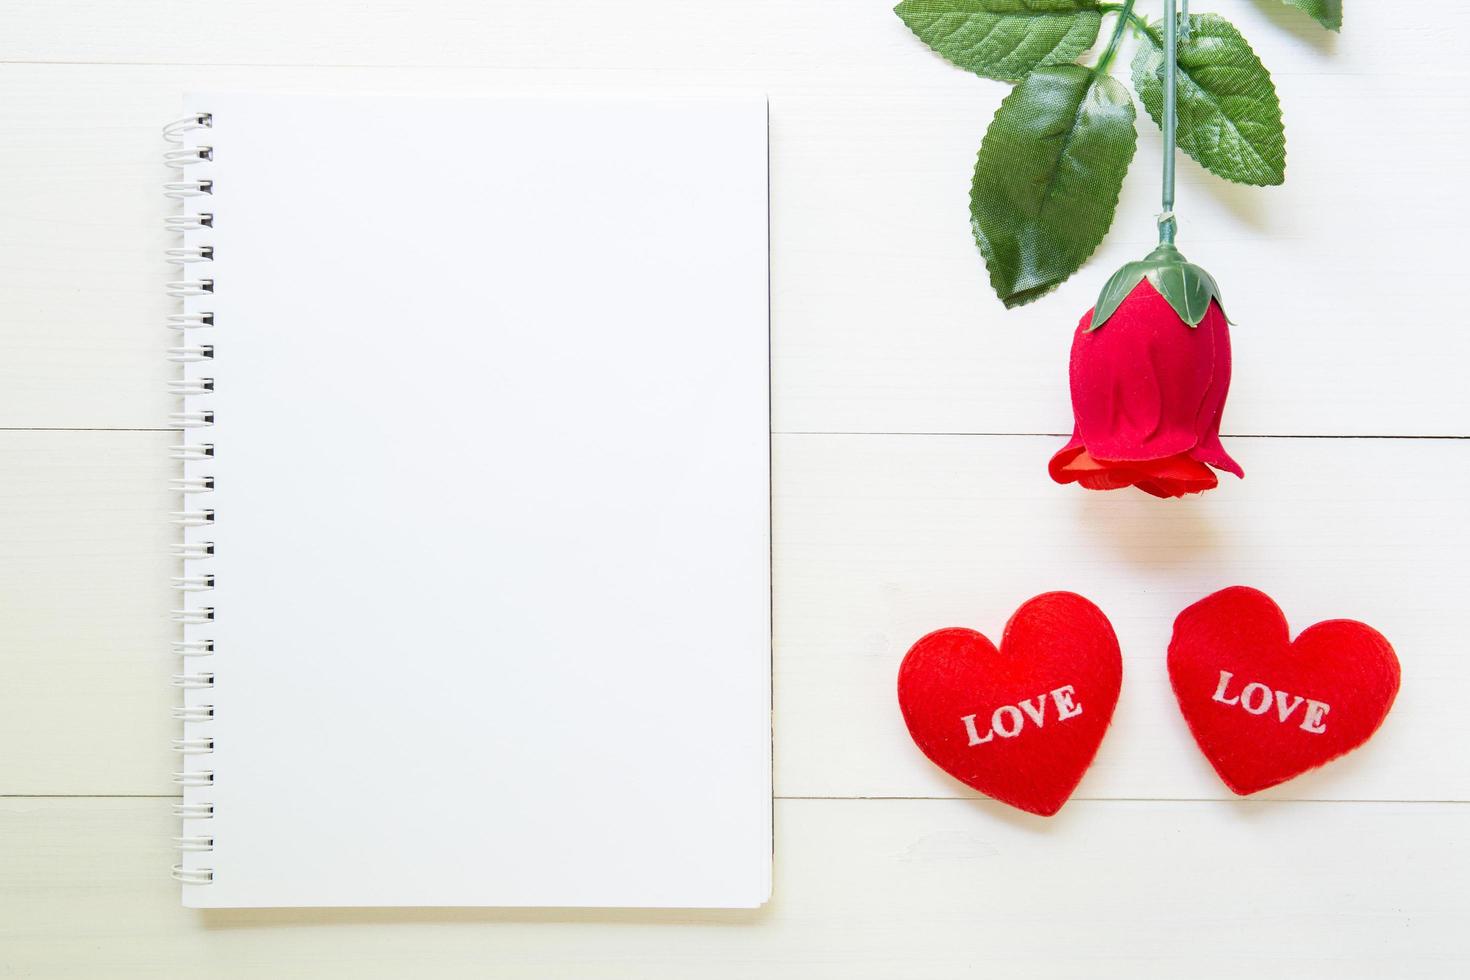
[1129, 799]
[814, 432]
[1068, 435]
[567, 69]
[854, 799]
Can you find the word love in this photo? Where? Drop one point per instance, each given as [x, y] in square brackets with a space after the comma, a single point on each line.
[1256, 698]
[1035, 746]
[1251, 733]
[1008, 720]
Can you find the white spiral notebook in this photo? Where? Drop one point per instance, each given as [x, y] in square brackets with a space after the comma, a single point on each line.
[475, 494]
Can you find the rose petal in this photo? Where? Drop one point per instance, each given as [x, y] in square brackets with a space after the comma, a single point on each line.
[1172, 477]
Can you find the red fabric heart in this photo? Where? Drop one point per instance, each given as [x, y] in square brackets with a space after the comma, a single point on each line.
[1020, 724]
[1265, 709]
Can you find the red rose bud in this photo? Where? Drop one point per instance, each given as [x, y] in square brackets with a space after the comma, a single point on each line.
[1150, 370]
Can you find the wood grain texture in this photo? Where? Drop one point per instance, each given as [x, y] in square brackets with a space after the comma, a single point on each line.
[882, 323]
[864, 889]
[84, 607]
[852, 39]
[882, 539]
[882, 318]
[878, 540]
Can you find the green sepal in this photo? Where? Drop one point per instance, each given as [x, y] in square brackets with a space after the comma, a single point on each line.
[1187, 287]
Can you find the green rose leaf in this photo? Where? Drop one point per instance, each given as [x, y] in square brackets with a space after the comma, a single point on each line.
[1328, 13]
[1047, 178]
[1004, 39]
[1229, 116]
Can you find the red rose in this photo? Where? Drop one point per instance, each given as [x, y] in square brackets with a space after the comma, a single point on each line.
[1149, 385]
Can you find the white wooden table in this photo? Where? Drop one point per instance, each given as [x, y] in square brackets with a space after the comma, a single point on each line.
[913, 421]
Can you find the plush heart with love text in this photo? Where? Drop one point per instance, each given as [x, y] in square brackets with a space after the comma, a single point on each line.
[1021, 723]
[1264, 708]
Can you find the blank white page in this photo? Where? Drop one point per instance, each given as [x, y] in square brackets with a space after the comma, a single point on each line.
[491, 502]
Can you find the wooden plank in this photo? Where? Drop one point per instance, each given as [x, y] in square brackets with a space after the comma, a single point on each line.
[863, 889]
[880, 539]
[882, 323]
[827, 37]
[882, 320]
[84, 600]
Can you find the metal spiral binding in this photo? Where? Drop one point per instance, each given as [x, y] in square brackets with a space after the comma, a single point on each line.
[192, 188]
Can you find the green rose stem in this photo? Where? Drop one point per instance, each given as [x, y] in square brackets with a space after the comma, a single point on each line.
[1168, 227]
[1167, 224]
[1048, 177]
[1188, 288]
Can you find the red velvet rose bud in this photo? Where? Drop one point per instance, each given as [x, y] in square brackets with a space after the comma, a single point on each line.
[1150, 371]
